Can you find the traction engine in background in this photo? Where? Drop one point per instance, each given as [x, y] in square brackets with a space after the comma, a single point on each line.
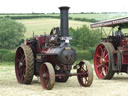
[111, 55]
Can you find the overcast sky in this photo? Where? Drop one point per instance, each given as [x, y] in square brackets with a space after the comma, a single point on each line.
[48, 6]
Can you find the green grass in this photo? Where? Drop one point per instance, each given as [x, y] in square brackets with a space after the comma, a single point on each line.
[44, 25]
[6, 63]
[99, 16]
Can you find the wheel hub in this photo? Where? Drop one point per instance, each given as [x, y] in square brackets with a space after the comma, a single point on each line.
[102, 61]
[20, 64]
[44, 75]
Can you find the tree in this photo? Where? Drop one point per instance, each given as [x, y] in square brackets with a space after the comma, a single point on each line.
[11, 33]
[85, 41]
[84, 38]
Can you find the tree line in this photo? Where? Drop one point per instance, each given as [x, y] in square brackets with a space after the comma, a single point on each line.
[46, 16]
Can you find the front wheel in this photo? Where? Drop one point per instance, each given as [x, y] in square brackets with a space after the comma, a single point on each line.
[86, 77]
[47, 76]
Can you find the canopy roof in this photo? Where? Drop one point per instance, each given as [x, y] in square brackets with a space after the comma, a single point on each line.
[123, 22]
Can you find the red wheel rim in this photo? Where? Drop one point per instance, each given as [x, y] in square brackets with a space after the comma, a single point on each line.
[44, 75]
[83, 78]
[101, 61]
[20, 65]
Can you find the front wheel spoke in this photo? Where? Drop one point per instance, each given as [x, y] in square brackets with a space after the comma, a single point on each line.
[46, 82]
[83, 69]
[86, 80]
[81, 78]
[47, 75]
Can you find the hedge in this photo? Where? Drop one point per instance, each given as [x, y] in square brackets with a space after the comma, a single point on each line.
[7, 55]
[85, 54]
[45, 16]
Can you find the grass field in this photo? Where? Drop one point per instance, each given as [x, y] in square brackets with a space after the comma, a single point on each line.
[44, 25]
[9, 86]
[99, 16]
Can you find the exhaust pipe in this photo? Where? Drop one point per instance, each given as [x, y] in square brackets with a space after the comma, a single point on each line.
[64, 20]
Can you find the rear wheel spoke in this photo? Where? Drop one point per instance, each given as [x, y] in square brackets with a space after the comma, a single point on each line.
[106, 68]
[101, 50]
[98, 56]
[106, 56]
[104, 48]
[101, 73]
[99, 65]
[18, 60]
[104, 52]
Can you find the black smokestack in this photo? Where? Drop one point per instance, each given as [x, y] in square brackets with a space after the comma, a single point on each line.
[64, 20]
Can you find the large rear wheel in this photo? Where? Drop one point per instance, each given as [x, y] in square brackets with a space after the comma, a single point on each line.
[24, 64]
[103, 60]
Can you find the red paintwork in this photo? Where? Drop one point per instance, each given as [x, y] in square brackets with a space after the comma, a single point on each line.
[49, 55]
[101, 54]
[72, 74]
[41, 41]
[44, 82]
[110, 23]
[123, 47]
[83, 77]
[20, 58]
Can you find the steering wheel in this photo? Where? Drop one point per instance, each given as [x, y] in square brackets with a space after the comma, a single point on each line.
[54, 31]
[54, 35]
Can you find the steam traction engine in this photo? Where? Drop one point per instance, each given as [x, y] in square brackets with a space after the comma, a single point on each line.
[111, 55]
[51, 57]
